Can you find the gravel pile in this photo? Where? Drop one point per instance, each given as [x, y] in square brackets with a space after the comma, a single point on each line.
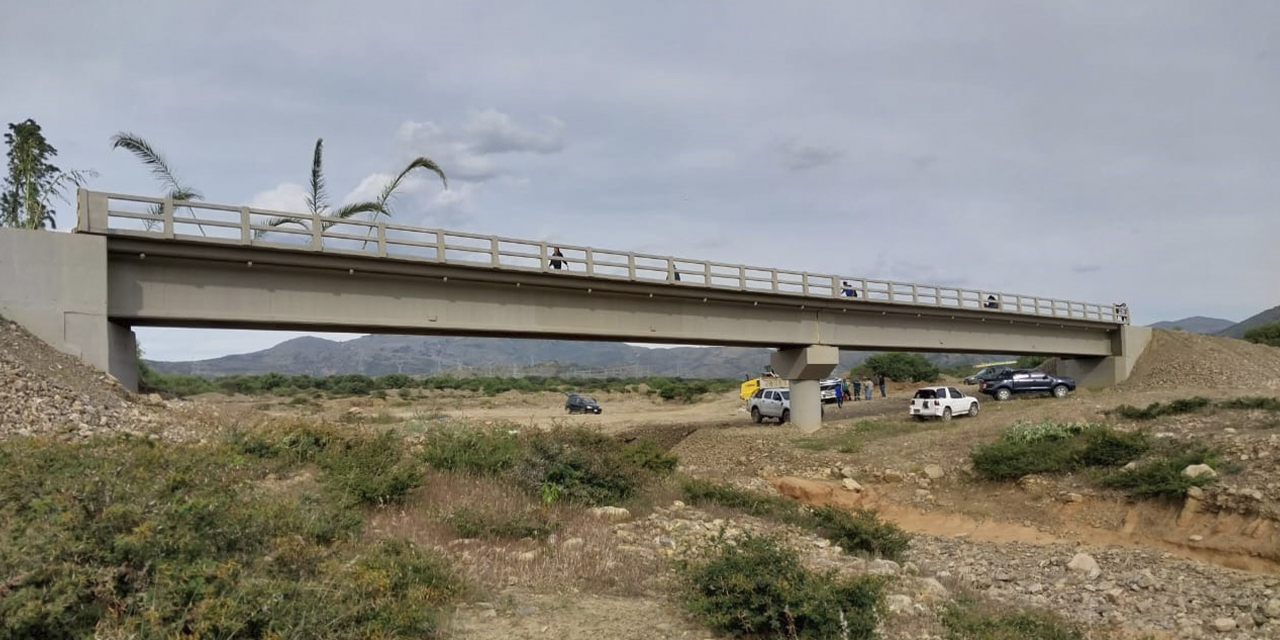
[1177, 359]
[45, 392]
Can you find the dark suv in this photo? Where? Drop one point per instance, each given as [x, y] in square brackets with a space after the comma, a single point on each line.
[581, 404]
[989, 373]
[1003, 386]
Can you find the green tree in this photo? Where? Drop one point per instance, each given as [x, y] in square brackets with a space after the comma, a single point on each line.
[902, 366]
[33, 181]
[1268, 334]
[318, 198]
[174, 188]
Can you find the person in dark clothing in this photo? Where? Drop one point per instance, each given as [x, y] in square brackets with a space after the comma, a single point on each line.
[840, 395]
[847, 291]
[880, 382]
[991, 303]
[857, 389]
[557, 258]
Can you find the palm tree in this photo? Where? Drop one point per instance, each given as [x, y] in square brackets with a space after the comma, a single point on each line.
[159, 167]
[318, 199]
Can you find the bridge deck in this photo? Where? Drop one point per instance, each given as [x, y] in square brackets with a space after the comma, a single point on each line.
[206, 223]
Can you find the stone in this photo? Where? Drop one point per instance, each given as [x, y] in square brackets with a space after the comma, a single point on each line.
[1195, 492]
[932, 591]
[1085, 564]
[892, 475]
[850, 484]
[1199, 471]
[665, 543]
[1272, 608]
[933, 471]
[1071, 497]
[1195, 538]
[1223, 625]
[611, 514]
[848, 472]
[898, 603]
[883, 567]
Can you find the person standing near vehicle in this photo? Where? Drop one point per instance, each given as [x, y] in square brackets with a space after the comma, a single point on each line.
[840, 394]
[857, 389]
[880, 382]
[866, 387]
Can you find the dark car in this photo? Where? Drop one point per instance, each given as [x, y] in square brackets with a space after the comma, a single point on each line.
[1003, 386]
[581, 404]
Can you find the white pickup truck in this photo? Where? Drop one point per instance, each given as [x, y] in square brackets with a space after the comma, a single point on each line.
[770, 403]
[942, 402]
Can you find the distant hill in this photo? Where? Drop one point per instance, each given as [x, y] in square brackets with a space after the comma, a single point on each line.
[1196, 324]
[422, 355]
[1266, 317]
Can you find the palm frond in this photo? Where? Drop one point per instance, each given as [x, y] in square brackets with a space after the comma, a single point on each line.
[154, 160]
[356, 208]
[420, 162]
[317, 200]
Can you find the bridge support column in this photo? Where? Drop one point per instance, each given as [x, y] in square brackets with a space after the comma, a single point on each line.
[1094, 373]
[804, 368]
[55, 286]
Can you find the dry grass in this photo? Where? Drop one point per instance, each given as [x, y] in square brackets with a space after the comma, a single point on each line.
[583, 555]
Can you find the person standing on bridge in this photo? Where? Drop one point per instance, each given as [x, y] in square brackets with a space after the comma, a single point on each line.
[880, 382]
[557, 258]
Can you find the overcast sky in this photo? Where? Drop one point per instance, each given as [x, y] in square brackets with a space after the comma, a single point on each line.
[1095, 151]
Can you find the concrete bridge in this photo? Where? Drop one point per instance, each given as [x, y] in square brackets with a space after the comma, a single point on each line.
[140, 261]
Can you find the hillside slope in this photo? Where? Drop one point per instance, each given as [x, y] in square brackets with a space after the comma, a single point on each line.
[1189, 361]
[1266, 317]
[1196, 324]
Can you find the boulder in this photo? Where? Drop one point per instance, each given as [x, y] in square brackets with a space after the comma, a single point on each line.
[851, 485]
[933, 471]
[612, 514]
[1085, 564]
[1199, 471]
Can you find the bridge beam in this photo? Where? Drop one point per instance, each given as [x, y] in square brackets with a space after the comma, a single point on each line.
[804, 368]
[55, 286]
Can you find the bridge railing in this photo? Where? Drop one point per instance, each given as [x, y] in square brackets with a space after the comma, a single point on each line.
[148, 217]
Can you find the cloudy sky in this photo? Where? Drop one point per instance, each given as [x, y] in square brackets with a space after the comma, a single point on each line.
[1089, 150]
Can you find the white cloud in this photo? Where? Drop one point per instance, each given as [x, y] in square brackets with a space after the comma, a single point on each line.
[284, 197]
[491, 131]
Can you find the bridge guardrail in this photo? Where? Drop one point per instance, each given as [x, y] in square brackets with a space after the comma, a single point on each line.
[149, 217]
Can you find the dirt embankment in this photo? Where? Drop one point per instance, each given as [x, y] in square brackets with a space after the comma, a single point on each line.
[1176, 359]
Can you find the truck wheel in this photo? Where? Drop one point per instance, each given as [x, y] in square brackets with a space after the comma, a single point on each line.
[1060, 391]
[973, 410]
[755, 415]
[946, 414]
[786, 416]
[1003, 394]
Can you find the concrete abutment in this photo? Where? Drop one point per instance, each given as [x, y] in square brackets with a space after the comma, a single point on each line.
[1128, 344]
[804, 368]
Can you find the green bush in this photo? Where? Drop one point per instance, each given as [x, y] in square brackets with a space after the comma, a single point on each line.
[1252, 402]
[965, 619]
[370, 470]
[483, 451]
[1268, 334]
[861, 532]
[697, 491]
[578, 466]
[472, 522]
[902, 366]
[1156, 409]
[1050, 447]
[126, 537]
[1162, 475]
[647, 455]
[759, 588]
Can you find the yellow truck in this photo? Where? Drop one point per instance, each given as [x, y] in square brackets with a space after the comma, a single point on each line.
[765, 381]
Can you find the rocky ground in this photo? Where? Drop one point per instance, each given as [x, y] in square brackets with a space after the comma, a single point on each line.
[1057, 543]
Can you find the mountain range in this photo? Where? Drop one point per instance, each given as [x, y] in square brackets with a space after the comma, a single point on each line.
[424, 355]
[1218, 326]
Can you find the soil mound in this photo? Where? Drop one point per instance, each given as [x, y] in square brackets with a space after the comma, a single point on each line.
[1176, 359]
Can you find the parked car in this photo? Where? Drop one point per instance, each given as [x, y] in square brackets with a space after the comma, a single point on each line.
[830, 387]
[987, 373]
[770, 403]
[1008, 383]
[577, 403]
[942, 403]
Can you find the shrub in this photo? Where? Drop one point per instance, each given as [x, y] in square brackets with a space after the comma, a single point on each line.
[472, 449]
[471, 522]
[1162, 475]
[861, 531]
[697, 491]
[289, 443]
[577, 466]
[647, 455]
[126, 537]
[965, 619]
[903, 366]
[370, 470]
[759, 588]
[1252, 402]
[1156, 409]
[1268, 334]
[1050, 447]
